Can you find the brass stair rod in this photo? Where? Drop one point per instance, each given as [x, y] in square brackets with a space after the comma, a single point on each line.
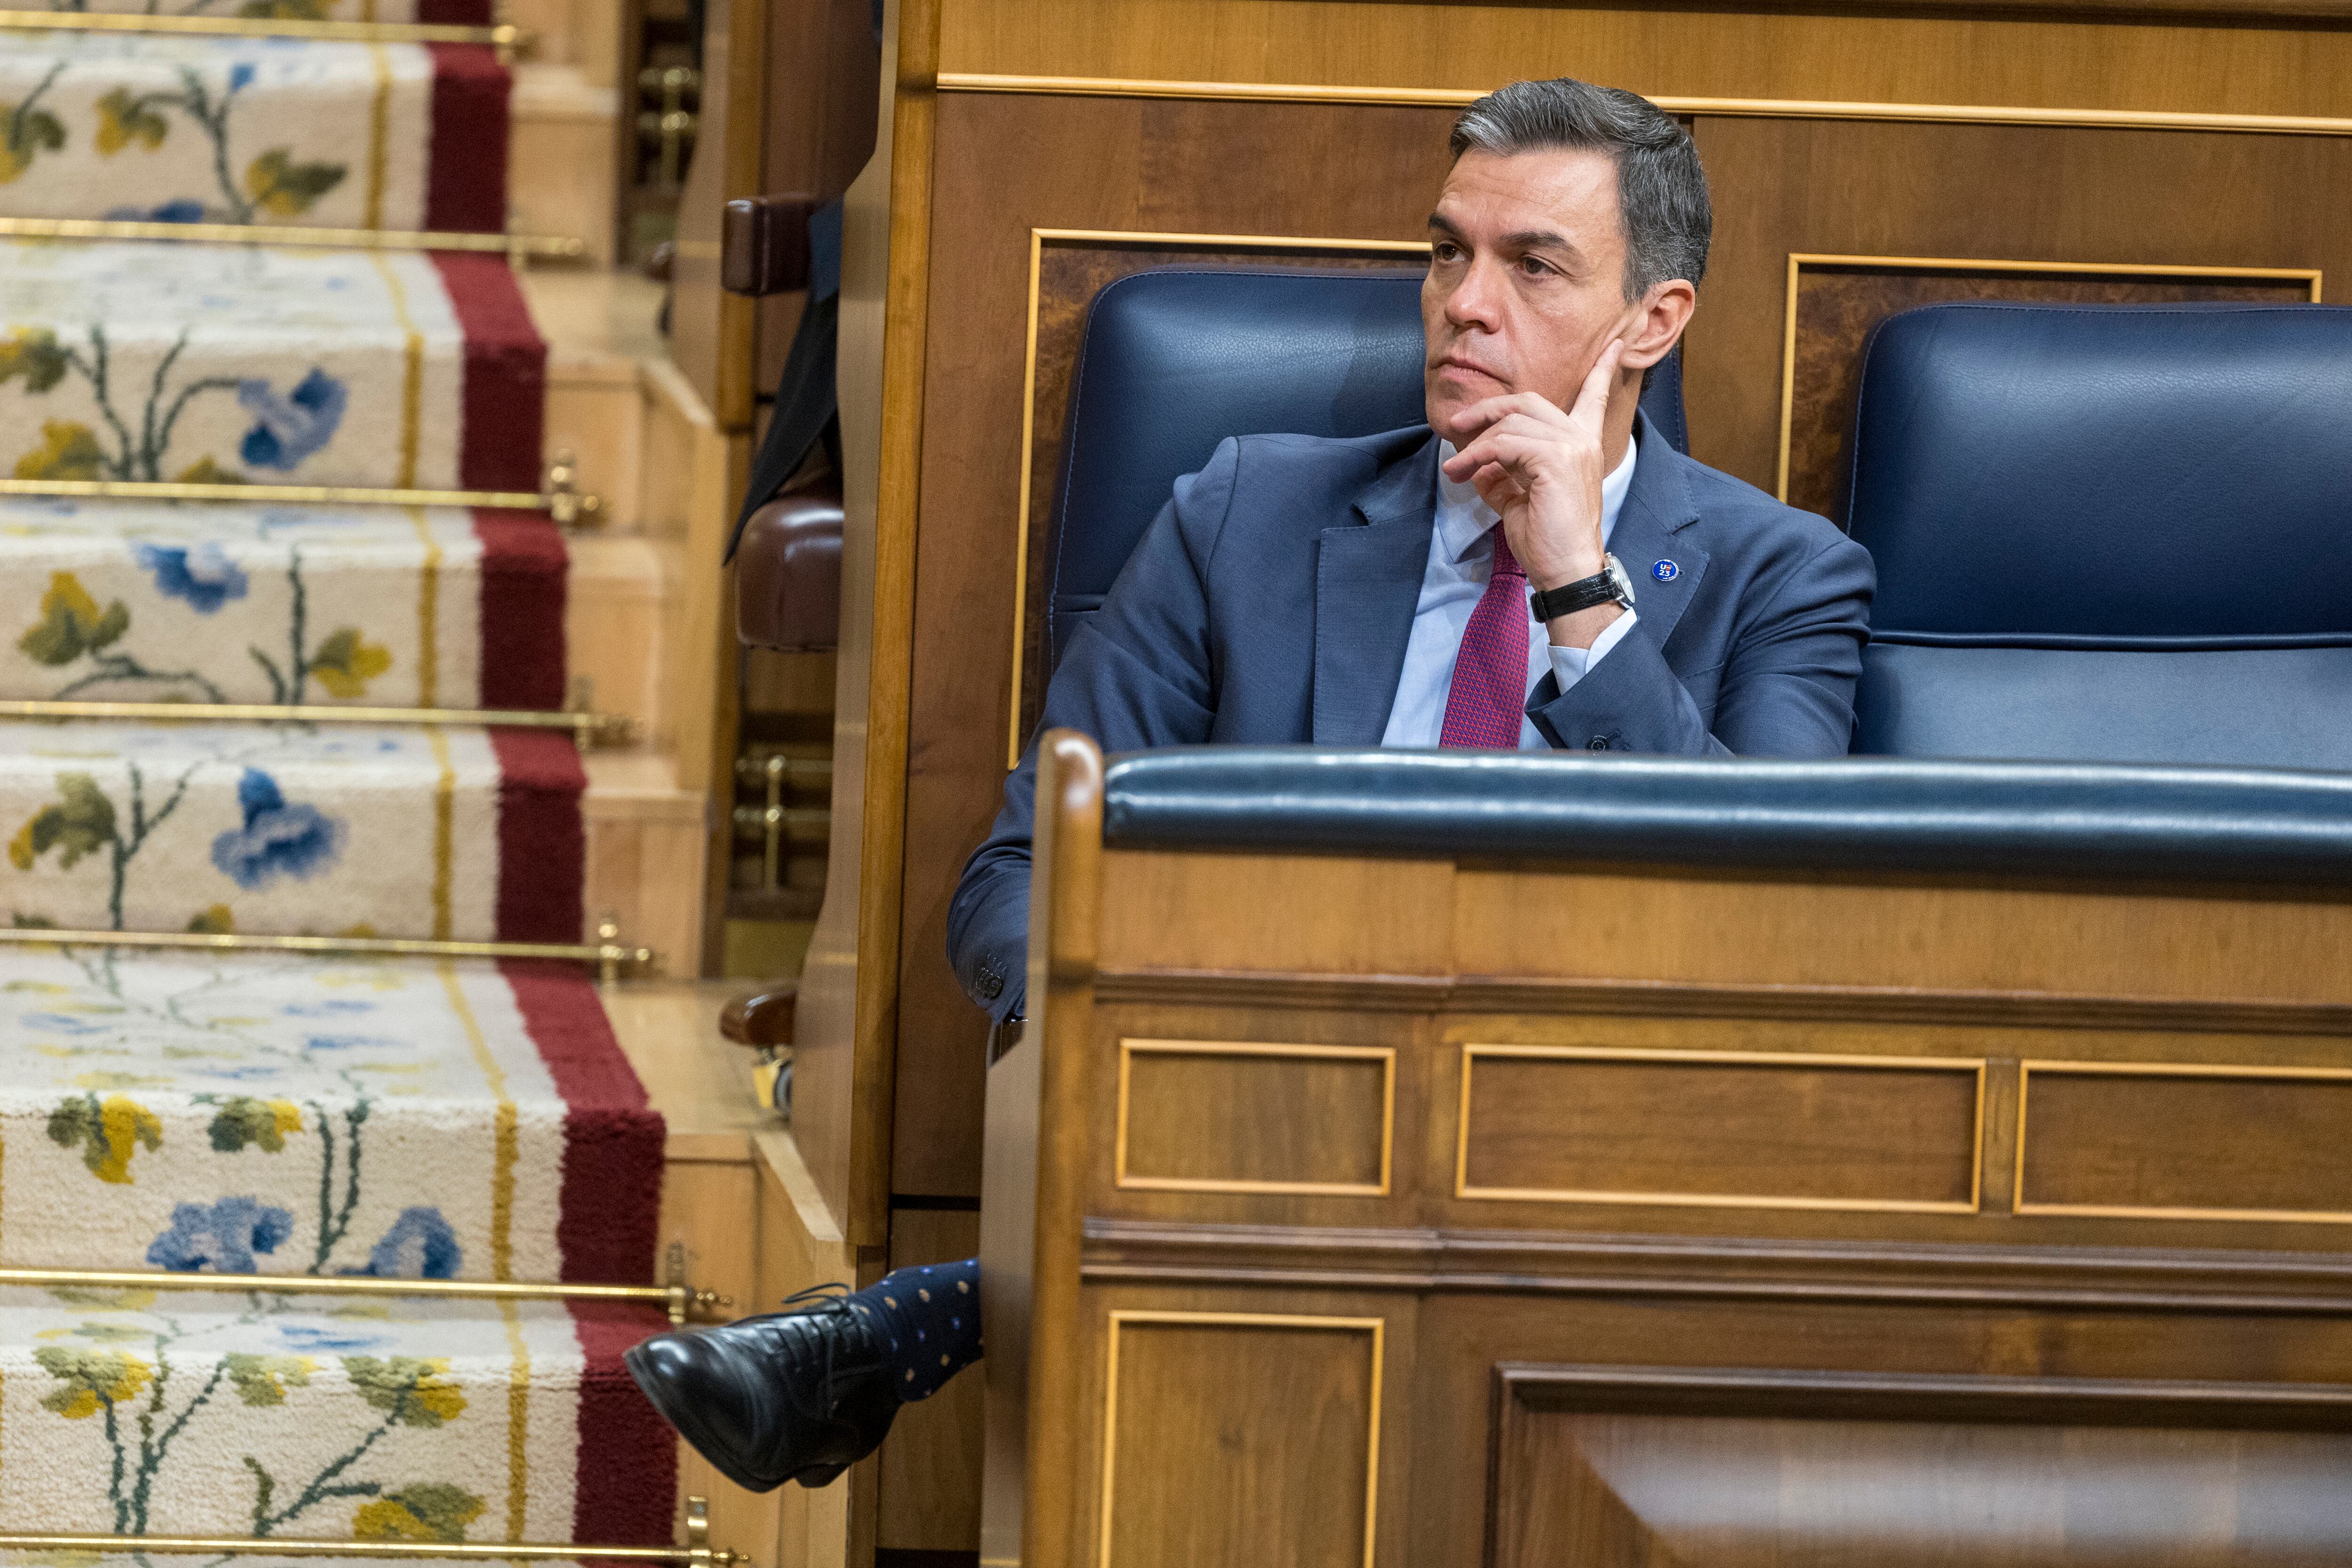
[696, 1554]
[587, 729]
[608, 954]
[562, 507]
[503, 38]
[680, 1300]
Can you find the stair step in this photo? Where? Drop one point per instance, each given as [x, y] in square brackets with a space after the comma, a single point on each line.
[166, 129]
[160, 361]
[289, 1114]
[392, 606]
[140, 1412]
[289, 829]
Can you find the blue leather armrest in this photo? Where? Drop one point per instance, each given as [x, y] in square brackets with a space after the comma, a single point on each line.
[2108, 822]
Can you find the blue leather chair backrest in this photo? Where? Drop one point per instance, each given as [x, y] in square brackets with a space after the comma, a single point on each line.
[2111, 534]
[1175, 359]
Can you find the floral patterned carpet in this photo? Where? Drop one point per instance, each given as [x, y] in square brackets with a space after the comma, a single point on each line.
[162, 129]
[264, 1117]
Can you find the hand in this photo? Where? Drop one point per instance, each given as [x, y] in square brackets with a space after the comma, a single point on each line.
[1541, 470]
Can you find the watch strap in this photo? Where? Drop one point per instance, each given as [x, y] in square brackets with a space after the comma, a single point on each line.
[1584, 594]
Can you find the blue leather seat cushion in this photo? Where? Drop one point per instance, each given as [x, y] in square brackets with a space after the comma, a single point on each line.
[2262, 707]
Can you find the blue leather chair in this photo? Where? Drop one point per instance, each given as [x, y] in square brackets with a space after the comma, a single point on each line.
[2112, 534]
[1175, 359]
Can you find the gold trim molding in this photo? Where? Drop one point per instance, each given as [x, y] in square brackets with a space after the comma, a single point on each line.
[1975, 1066]
[1385, 1055]
[2055, 1068]
[589, 730]
[291, 234]
[1726, 108]
[1140, 239]
[1798, 261]
[1376, 1327]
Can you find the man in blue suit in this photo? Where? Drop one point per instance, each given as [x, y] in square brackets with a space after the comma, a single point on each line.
[1533, 568]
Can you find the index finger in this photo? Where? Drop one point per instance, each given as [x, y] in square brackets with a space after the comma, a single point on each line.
[1593, 398]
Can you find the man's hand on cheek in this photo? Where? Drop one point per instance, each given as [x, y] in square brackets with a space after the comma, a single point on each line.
[1541, 470]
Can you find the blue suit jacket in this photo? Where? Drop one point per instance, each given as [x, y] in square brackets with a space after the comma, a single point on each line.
[1271, 601]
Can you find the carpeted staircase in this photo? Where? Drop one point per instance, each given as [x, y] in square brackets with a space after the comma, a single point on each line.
[268, 1114]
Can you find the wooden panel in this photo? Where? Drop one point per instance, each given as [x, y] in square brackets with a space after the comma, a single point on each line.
[1224, 1117]
[1909, 1472]
[1241, 1439]
[1315, 912]
[1834, 303]
[2185, 1143]
[2027, 194]
[1733, 1129]
[1868, 52]
[1931, 936]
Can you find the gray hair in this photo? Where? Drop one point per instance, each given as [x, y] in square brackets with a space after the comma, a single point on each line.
[1661, 189]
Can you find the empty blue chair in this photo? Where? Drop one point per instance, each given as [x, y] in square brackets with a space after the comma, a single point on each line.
[2115, 534]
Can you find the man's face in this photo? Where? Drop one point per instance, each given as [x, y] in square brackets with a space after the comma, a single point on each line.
[1525, 282]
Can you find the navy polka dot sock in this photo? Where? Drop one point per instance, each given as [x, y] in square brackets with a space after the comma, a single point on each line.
[928, 1322]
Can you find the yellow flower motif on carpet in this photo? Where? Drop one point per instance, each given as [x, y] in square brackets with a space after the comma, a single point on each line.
[430, 1510]
[205, 471]
[67, 451]
[414, 1391]
[264, 1379]
[33, 353]
[286, 188]
[71, 624]
[215, 920]
[108, 1132]
[93, 1379]
[123, 119]
[346, 662]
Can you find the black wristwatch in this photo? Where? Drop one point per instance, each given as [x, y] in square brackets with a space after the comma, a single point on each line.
[1611, 586]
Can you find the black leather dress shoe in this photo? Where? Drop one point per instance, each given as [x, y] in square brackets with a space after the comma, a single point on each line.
[797, 1395]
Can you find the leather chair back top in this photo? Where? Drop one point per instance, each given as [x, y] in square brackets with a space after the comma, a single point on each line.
[1175, 359]
[2118, 534]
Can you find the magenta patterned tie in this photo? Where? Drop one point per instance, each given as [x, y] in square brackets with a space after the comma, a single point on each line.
[1489, 695]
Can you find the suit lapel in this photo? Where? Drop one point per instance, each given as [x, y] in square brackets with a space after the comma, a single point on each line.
[1650, 537]
[1367, 577]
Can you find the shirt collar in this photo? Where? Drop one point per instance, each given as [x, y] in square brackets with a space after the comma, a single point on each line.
[1464, 520]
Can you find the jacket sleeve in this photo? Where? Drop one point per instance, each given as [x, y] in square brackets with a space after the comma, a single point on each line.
[1139, 674]
[1787, 689]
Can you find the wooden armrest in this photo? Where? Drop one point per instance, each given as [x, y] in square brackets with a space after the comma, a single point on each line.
[761, 1019]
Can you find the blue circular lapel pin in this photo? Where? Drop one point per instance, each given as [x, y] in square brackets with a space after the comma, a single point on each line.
[1666, 570]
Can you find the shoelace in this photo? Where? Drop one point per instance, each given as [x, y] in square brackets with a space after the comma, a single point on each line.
[830, 1300]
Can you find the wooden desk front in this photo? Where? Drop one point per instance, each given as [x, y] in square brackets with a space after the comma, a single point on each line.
[1366, 1211]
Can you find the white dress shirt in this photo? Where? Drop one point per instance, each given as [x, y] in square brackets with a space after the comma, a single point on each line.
[1461, 560]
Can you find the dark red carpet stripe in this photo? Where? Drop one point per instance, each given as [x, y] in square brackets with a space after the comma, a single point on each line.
[612, 1138]
[542, 852]
[466, 183]
[628, 1486]
[525, 568]
[506, 373]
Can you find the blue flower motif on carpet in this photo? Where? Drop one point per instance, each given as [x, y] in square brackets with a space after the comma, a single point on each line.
[202, 575]
[419, 1245]
[290, 428]
[240, 76]
[223, 1236]
[278, 839]
[181, 211]
[330, 1009]
[329, 1342]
